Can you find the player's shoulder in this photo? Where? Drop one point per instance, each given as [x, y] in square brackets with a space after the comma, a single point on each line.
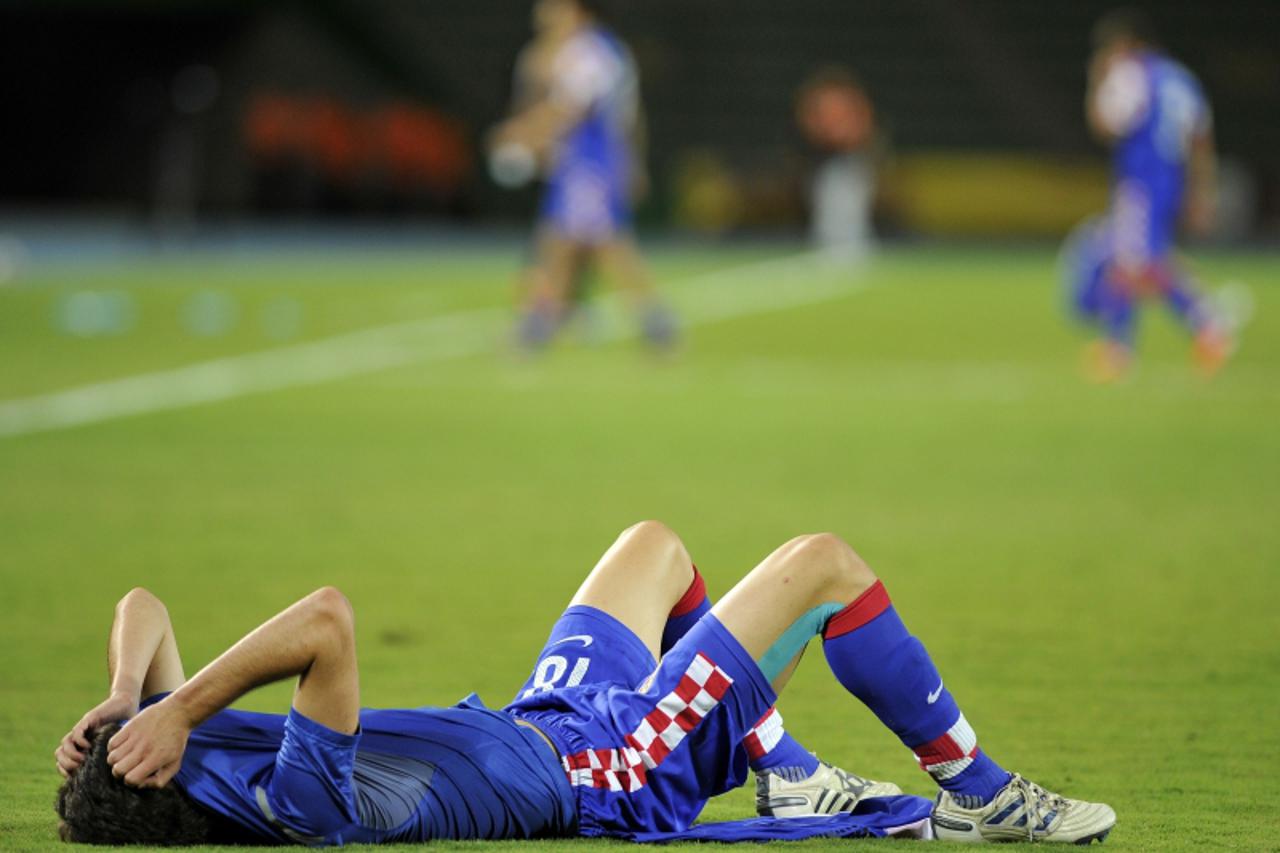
[1171, 69]
[594, 45]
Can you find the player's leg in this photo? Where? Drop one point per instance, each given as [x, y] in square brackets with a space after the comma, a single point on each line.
[817, 585]
[640, 580]
[1082, 265]
[544, 308]
[770, 747]
[612, 628]
[1127, 252]
[1108, 359]
[791, 781]
[620, 259]
[648, 583]
[1213, 338]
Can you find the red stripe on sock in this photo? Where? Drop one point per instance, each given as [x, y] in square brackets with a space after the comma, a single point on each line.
[858, 612]
[693, 596]
[940, 749]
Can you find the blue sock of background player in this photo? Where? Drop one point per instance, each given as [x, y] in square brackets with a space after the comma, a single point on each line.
[769, 747]
[1181, 297]
[538, 324]
[1118, 315]
[876, 659]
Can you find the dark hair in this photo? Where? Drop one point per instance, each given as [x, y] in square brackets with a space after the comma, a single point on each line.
[832, 76]
[98, 808]
[601, 10]
[1125, 23]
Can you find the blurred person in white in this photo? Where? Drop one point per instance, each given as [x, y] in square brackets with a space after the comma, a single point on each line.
[1154, 115]
[583, 123]
[512, 165]
[836, 117]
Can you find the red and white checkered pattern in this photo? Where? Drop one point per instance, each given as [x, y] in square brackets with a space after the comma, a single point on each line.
[764, 735]
[949, 753]
[700, 689]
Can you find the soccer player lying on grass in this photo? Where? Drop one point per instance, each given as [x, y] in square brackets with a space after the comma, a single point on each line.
[643, 703]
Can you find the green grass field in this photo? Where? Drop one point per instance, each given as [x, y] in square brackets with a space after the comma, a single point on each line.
[1093, 568]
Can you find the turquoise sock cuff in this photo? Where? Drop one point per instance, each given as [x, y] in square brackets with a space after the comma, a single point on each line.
[796, 638]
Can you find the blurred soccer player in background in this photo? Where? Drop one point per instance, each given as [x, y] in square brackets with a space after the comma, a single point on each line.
[1154, 114]
[585, 126]
[836, 117]
[513, 165]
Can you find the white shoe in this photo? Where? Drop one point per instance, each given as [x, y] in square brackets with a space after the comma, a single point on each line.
[828, 791]
[1023, 811]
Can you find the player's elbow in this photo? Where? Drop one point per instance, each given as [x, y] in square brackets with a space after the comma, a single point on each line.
[331, 614]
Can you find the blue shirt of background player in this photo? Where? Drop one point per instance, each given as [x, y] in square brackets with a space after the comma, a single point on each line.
[587, 188]
[407, 775]
[1156, 107]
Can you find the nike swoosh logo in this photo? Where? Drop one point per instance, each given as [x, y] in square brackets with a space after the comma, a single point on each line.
[933, 697]
[585, 639]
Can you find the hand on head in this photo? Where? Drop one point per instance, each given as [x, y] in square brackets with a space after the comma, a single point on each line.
[71, 752]
[147, 753]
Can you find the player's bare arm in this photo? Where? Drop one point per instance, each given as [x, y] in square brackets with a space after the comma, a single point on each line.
[1202, 181]
[1097, 70]
[540, 126]
[313, 640]
[142, 660]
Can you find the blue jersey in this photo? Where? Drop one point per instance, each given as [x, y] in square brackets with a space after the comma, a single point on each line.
[1173, 111]
[586, 197]
[407, 775]
[1155, 108]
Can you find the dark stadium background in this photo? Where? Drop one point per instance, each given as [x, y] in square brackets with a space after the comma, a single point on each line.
[87, 106]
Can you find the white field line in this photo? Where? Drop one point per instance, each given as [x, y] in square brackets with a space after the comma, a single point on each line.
[760, 287]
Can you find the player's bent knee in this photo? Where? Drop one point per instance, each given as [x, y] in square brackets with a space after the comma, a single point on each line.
[650, 530]
[831, 563]
[656, 537]
[138, 593]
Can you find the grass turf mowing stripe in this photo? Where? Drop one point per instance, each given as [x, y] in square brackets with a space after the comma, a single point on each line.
[760, 287]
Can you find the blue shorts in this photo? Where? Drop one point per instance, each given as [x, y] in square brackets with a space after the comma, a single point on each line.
[644, 744]
[1143, 225]
[586, 202]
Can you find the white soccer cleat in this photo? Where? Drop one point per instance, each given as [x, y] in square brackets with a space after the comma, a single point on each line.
[1023, 811]
[828, 791]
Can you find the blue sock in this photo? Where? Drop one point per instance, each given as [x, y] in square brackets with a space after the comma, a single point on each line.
[658, 324]
[1118, 314]
[877, 660]
[688, 610]
[1181, 297]
[769, 746]
[537, 326]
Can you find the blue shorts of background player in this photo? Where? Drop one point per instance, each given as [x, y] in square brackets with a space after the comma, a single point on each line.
[587, 203]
